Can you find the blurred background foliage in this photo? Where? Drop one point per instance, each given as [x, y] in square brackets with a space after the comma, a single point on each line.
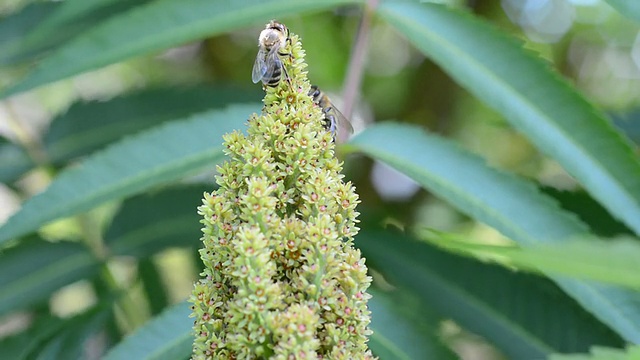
[110, 263]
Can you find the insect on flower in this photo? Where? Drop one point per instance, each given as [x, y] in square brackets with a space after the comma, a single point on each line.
[268, 66]
[335, 121]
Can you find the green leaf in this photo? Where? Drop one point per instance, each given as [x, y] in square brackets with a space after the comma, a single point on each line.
[614, 262]
[511, 205]
[628, 8]
[87, 126]
[40, 38]
[70, 342]
[34, 269]
[14, 161]
[589, 211]
[159, 156]
[13, 346]
[174, 221]
[602, 353]
[168, 336]
[159, 25]
[19, 346]
[398, 333]
[629, 124]
[70, 10]
[14, 27]
[532, 98]
[155, 289]
[524, 316]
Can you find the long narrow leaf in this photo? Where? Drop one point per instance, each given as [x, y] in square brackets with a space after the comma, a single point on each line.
[397, 333]
[88, 126]
[14, 161]
[136, 231]
[158, 156]
[602, 353]
[34, 269]
[70, 20]
[525, 316]
[70, 342]
[69, 10]
[168, 336]
[615, 262]
[628, 8]
[589, 211]
[533, 99]
[155, 289]
[19, 346]
[159, 25]
[38, 39]
[629, 124]
[512, 206]
[14, 27]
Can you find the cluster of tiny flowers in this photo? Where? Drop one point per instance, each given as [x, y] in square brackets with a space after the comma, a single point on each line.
[282, 279]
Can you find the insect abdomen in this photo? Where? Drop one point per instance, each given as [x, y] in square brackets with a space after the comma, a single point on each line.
[275, 79]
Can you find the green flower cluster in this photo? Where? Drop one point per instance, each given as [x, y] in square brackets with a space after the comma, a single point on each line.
[282, 279]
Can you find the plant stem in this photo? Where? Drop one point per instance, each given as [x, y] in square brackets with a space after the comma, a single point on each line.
[356, 63]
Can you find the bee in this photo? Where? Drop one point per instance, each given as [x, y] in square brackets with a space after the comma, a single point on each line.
[268, 66]
[335, 122]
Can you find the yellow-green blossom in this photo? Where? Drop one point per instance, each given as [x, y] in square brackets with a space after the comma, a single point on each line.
[282, 279]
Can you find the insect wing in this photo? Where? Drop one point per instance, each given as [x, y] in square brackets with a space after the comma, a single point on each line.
[273, 65]
[259, 67]
[342, 126]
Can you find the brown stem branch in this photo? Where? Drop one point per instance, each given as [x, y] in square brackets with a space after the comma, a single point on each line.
[356, 63]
